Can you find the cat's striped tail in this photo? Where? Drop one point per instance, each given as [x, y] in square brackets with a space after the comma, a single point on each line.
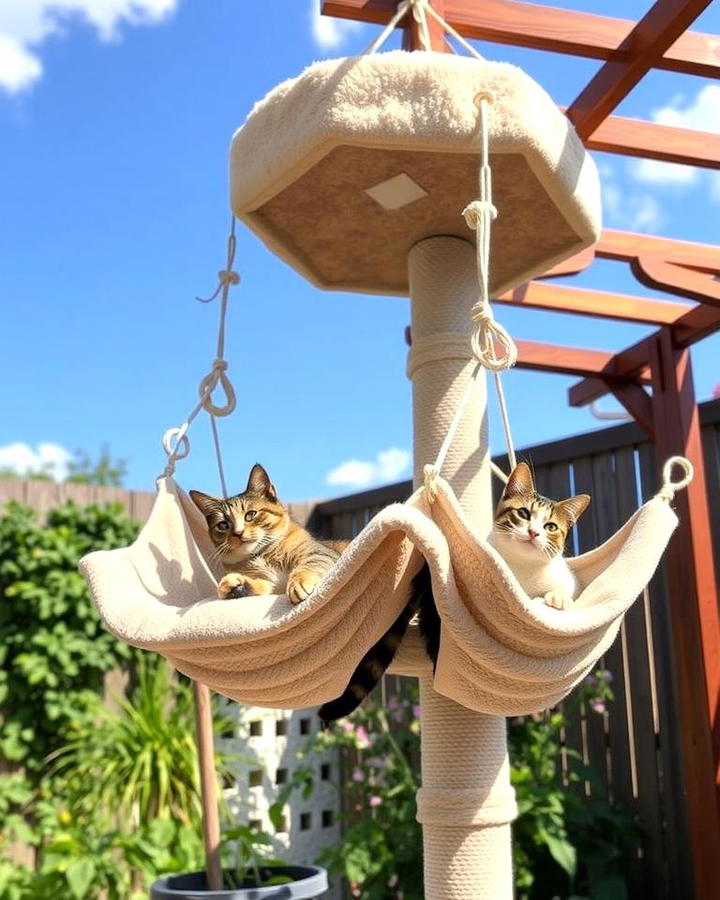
[373, 665]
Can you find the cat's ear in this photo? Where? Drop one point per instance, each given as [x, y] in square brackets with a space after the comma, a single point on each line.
[259, 483]
[520, 483]
[573, 507]
[204, 502]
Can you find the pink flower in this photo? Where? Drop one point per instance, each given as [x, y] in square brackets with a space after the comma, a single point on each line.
[363, 739]
[597, 705]
[358, 775]
[393, 702]
[416, 710]
[347, 726]
[375, 800]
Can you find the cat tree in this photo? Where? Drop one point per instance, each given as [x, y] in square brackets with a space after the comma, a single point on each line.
[356, 173]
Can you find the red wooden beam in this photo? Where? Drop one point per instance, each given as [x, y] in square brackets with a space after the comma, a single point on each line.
[695, 325]
[586, 302]
[655, 272]
[627, 245]
[636, 401]
[630, 365]
[693, 607]
[637, 53]
[545, 28]
[569, 360]
[571, 266]
[633, 137]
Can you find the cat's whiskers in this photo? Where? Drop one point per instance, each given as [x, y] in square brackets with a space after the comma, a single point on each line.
[219, 551]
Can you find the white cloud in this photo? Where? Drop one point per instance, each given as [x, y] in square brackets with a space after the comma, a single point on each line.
[654, 171]
[329, 32]
[51, 459]
[389, 466]
[622, 208]
[26, 24]
[701, 113]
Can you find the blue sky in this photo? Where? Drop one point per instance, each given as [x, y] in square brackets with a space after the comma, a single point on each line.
[115, 121]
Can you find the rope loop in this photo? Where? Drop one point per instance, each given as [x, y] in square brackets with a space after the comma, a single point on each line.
[217, 376]
[491, 344]
[669, 487]
[176, 445]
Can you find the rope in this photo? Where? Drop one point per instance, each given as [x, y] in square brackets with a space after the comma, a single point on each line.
[669, 487]
[403, 8]
[419, 9]
[492, 346]
[175, 441]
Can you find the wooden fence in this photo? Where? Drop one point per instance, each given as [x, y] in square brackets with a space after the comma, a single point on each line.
[634, 747]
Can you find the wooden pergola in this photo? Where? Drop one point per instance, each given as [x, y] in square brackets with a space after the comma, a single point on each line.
[653, 378]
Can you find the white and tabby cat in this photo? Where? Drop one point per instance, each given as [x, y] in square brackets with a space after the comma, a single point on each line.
[530, 532]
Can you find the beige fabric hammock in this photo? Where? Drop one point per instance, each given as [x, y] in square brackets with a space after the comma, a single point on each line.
[501, 651]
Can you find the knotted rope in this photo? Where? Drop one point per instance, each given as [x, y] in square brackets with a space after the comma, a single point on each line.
[491, 344]
[175, 441]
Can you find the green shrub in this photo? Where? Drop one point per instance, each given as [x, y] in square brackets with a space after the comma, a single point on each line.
[53, 648]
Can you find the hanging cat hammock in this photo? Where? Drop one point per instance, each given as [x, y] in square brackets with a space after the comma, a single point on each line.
[501, 651]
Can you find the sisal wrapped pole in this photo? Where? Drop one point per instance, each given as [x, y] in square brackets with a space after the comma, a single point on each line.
[466, 803]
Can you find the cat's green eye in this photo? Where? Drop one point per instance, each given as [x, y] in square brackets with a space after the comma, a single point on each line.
[250, 515]
[524, 513]
[223, 526]
[551, 526]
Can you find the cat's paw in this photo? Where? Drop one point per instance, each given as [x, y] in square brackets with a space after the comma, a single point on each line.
[557, 599]
[235, 585]
[301, 585]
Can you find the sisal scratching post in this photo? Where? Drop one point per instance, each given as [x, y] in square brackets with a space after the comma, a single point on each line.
[466, 803]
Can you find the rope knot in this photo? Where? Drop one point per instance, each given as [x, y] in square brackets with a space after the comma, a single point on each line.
[482, 315]
[220, 365]
[478, 211]
[228, 276]
[431, 473]
[669, 487]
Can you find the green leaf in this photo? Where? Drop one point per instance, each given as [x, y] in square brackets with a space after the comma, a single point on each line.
[79, 876]
[563, 852]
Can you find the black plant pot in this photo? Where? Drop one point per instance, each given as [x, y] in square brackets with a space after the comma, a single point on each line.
[307, 882]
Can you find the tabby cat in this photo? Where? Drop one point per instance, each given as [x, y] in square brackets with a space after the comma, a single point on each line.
[529, 532]
[262, 550]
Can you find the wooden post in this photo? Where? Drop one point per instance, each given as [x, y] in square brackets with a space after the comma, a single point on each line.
[693, 607]
[206, 764]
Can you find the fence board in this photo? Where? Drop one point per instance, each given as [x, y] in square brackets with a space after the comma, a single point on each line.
[42, 496]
